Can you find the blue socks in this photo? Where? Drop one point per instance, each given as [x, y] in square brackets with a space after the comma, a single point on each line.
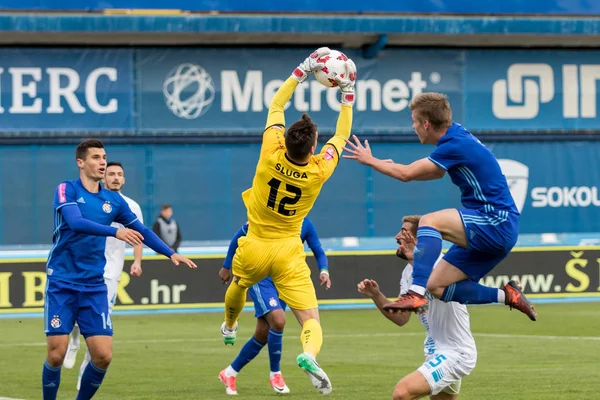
[253, 347]
[470, 292]
[247, 354]
[90, 381]
[50, 381]
[427, 251]
[275, 342]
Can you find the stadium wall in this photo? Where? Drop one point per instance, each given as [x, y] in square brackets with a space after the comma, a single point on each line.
[192, 118]
[555, 184]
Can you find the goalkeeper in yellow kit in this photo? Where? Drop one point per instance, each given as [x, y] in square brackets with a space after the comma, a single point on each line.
[288, 179]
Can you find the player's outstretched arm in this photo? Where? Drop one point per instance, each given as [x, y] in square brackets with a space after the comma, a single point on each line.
[152, 240]
[344, 122]
[285, 92]
[72, 215]
[420, 170]
[370, 288]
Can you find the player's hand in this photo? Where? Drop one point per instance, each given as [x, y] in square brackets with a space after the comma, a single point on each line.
[178, 258]
[368, 287]
[311, 64]
[225, 275]
[407, 245]
[325, 281]
[136, 269]
[129, 236]
[346, 82]
[358, 152]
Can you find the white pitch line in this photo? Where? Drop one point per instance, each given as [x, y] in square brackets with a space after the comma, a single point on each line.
[8, 398]
[349, 335]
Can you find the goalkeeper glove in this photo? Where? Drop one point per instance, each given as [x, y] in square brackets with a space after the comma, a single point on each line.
[311, 64]
[346, 83]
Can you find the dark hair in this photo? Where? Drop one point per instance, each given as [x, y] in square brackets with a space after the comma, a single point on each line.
[165, 207]
[300, 137]
[115, 164]
[82, 149]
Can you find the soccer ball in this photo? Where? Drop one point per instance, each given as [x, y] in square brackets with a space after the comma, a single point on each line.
[334, 65]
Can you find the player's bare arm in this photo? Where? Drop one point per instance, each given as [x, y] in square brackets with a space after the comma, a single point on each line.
[136, 267]
[370, 288]
[420, 170]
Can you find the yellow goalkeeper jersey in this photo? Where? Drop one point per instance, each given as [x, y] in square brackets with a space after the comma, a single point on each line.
[283, 192]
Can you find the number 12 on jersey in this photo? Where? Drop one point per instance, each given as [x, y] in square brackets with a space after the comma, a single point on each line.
[272, 200]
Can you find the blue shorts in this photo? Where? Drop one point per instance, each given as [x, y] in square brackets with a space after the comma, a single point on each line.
[490, 236]
[66, 303]
[265, 297]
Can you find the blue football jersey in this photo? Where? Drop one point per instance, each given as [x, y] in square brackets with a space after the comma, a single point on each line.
[79, 257]
[475, 170]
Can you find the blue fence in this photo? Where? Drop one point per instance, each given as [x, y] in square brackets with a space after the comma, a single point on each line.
[580, 7]
[555, 185]
[227, 90]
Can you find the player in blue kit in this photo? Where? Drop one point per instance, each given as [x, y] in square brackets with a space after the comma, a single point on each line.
[75, 288]
[483, 232]
[270, 313]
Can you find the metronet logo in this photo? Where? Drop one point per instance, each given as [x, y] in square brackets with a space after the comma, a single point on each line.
[517, 176]
[189, 91]
[529, 85]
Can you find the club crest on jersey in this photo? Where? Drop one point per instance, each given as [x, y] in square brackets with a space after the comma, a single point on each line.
[55, 323]
[329, 153]
[273, 302]
[107, 208]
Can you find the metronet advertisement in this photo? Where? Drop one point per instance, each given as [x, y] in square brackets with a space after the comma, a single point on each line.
[222, 91]
[66, 90]
[229, 90]
[542, 272]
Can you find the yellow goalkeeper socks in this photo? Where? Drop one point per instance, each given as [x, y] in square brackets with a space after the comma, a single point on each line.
[235, 298]
[312, 337]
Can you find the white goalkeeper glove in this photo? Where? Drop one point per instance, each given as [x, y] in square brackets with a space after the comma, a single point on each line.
[346, 83]
[311, 64]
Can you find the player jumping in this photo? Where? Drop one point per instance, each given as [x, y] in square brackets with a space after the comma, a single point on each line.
[269, 310]
[75, 288]
[483, 232]
[288, 179]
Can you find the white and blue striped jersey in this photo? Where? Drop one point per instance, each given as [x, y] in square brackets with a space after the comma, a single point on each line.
[447, 325]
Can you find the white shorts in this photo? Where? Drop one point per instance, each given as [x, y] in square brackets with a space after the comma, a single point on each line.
[445, 369]
[112, 286]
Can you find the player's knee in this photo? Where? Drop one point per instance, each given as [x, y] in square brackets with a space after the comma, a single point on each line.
[427, 220]
[102, 359]
[401, 393]
[56, 357]
[278, 322]
[435, 290]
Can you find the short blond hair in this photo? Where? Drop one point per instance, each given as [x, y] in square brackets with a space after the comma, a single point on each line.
[432, 107]
[414, 220]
